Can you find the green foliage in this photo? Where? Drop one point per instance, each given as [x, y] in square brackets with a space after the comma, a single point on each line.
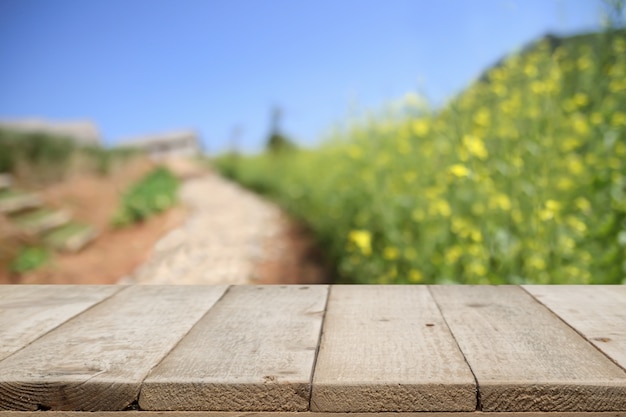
[153, 194]
[520, 179]
[44, 158]
[49, 153]
[30, 258]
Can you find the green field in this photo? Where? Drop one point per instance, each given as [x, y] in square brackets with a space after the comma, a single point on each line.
[519, 179]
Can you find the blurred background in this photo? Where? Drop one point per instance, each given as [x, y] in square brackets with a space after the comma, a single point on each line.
[416, 141]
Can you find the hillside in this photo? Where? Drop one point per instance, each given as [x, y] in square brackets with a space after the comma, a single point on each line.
[70, 193]
[519, 179]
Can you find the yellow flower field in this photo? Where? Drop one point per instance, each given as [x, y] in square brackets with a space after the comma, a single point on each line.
[519, 179]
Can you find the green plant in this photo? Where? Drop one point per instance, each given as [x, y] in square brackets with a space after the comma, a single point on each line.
[30, 258]
[153, 194]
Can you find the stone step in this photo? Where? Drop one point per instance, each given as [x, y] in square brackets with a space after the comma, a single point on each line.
[41, 220]
[70, 237]
[6, 180]
[12, 201]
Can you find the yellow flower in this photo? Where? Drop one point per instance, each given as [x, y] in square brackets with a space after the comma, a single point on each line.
[580, 125]
[581, 99]
[362, 239]
[440, 207]
[476, 268]
[565, 183]
[578, 225]
[615, 86]
[575, 165]
[583, 204]
[497, 74]
[584, 63]
[453, 254]
[550, 211]
[415, 276]
[500, 90]
[410, 177]
[482, 117]
[530, 70]
[475, 146]
[500, 201]
[421, 127]
[517, 161]
[553, 205]
[418, 215]
[618, 119]
[459, 170]
[355, 152]
[596, 118]
[391, 253]
[536, 263]
[512, 105]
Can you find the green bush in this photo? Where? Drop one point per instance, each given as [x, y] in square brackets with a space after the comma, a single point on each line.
[153, 194]
[30, 258]
[519, 179]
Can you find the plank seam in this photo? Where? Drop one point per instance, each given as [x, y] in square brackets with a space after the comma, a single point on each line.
[571, 327]
[122, 289]
[479, 405]
[134, 405]
[319, 344]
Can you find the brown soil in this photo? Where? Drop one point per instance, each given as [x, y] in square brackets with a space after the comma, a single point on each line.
[116, 252]
[293, 258]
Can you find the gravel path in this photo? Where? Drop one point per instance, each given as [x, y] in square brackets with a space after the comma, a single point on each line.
[223, 239]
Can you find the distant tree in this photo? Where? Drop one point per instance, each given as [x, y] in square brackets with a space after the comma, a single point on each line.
[277, 141]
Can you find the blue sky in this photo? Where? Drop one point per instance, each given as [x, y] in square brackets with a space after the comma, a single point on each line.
[137, 67]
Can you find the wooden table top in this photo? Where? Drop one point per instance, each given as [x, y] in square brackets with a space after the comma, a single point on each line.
[314, 349]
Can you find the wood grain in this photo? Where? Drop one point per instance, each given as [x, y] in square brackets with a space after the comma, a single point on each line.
[27, 312]
[387, 348]
[254, 351]
[297, 414]
[524, 358]
[97, 360]
[597, 312]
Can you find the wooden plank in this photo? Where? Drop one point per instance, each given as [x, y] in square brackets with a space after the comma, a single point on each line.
[387, 348]
[97, 360]
[296, 414]
[525, 358]
[597, 312]
[27, 312]
[254, 351]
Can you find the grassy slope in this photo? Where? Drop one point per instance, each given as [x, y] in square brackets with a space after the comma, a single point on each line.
[520, 179]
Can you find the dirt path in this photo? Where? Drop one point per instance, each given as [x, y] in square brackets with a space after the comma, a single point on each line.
[231, 236]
